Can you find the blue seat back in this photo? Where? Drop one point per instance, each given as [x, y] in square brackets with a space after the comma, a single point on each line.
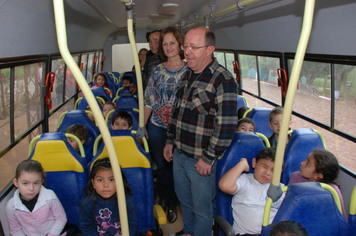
[110, 82]
[300, 145]
[136, 164]
[101, 92]
[352, 215]
[66, 172]
[80, 117]
[241, 102]
[127, 101]
[83, 104]
[132, 113]
[260, 115]
[130, 74]
[244, 144]
[314, 208]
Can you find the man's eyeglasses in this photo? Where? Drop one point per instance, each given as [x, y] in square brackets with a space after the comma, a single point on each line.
[193, 48]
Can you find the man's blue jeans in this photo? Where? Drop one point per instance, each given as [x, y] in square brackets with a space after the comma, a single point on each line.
[195, 193]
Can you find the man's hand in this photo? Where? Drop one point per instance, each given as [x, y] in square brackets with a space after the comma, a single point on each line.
[168, 152]
[202, 168]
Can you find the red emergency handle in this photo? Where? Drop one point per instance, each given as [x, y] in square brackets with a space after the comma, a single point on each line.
[49, 87]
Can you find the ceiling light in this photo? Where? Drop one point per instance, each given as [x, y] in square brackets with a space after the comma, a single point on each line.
[168, 8]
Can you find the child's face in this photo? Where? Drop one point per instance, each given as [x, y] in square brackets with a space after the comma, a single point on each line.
[275, 123]
[126, 83]
[74, 143]
[107, 108]
[29, 184]
[245, 127]
[307, 169]
[104, 183]
[100, 81]
[263, 170]
[121, 124]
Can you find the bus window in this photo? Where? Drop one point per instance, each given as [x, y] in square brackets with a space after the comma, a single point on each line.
[5, 107]
[314, 91]
[58, 87]
[345, 98]
[71, 85]
[248, 73]
[269, 79]
[27, 110]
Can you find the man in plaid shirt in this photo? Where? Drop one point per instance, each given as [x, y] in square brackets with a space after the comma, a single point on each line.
[202, 126]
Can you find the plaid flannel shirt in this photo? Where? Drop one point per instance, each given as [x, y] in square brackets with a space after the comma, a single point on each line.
[204, 115]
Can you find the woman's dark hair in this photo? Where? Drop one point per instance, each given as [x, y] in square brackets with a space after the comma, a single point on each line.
[326, 164]
[29, 166]
[100, 164]
[177, 35]
[102, 74]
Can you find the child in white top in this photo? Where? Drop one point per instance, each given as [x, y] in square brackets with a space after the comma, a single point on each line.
[34, 210]
[250, 191]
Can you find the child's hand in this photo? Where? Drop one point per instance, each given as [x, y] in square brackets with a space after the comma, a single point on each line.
[243, 161]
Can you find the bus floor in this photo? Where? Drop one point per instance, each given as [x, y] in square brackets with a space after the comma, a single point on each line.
[174, 227]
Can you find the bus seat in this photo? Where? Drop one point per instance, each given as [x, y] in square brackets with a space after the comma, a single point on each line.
[115, 77]
[124, 92]
[128, 101]
[132, 75]
[301, 143]
[66, 172]
[101, 92]
[260, 115]
[241, 102]
[352, 215]
[110, 82]
[244, 144]
[313, 207]
[80, 117]
[132, 112]
[82, 103]
[136, 165]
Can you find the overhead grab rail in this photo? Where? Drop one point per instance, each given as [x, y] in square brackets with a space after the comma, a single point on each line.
[67, 57]
[275, 190]
[239, 6]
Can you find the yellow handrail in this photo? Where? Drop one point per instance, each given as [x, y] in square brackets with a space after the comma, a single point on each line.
[292, 87]
[67, 57]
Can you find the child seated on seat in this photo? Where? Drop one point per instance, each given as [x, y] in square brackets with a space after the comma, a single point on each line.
[245, 125]
[101, 81]
[80, 131]
[250, 191]
[99, 213]
[320, 166]
[127, 82]
[275, 122]
[107, 107]
[121, 121]
[34, 210]
[288, 228]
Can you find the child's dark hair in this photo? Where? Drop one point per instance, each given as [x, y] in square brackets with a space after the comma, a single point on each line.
[101, 74]
[100, 164]
[129, 78]
[268, 153]
[288, 228]
[29, 166]
[241, 111]
[246, 120]
[78, 130]
[326, 164]
[275, 111]
[110, 103]
[123, 115]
